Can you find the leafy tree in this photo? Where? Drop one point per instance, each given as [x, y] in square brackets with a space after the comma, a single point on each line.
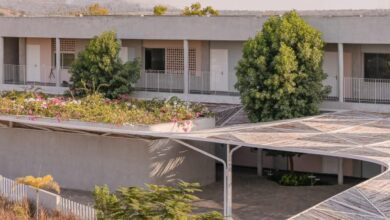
[280, 73]
[159, 10]
[99, 68]
[46, 182]
[196, 9]
[96, 9]
[154, 202]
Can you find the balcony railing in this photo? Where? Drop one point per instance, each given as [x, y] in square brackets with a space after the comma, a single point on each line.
[161, 81]
[365, 90]
[29, 75]
[199, 82]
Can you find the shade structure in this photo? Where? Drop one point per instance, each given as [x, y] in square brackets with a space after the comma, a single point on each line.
[346, 134]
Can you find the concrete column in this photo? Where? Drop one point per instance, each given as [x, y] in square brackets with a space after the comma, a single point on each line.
[22, 51]
[341, 71]
[229, 191]
[1, 60]
[186, 66]
[340, 173]
[260, 162]
[58, 62]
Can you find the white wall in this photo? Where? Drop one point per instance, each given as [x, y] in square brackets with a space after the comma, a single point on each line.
[80, 162]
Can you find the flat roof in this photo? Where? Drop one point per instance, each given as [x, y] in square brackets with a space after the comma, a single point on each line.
[348, 134]
[335, 29]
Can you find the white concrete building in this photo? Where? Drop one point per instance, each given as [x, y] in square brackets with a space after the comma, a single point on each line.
[195, 57]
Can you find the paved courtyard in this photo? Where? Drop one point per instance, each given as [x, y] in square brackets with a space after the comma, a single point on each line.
[258, 198]
[254, 197]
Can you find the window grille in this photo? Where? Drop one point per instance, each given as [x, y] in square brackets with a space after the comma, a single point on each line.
[175, 59]
[66, 45]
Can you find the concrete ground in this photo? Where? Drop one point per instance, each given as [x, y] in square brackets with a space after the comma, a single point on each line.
[258, 198]
[254, 197]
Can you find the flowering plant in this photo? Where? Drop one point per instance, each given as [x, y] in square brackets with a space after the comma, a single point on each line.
[96, 108]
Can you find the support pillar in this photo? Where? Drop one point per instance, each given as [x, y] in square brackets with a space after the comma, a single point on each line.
[340, 173]
[58, 62]
[229, 200]
[186, 66]
[260, 162]
[1, 60]
[340, 48]
[22, 59]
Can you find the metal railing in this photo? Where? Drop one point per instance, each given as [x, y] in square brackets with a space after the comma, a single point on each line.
[365, 90]
[209, 83]
[83, 211]
[20, 75]
[161, 81]
[18, 192]
[199, 82]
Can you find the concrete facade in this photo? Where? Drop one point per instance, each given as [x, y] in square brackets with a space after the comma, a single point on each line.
[351, 33]
[80, 161]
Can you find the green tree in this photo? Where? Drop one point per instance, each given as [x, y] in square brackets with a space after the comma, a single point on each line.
[280, 73]
[99, 68]
[196, 9]
[154, 202]
[159, 10]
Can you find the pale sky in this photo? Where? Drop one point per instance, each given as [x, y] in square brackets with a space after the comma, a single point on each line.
[280, 4]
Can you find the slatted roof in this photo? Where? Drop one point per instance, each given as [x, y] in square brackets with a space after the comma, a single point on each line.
[348, 134]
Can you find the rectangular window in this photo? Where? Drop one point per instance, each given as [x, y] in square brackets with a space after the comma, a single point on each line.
[377, 66]
[155, 59]
[66, 60]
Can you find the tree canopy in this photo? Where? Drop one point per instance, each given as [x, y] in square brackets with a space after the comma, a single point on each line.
[280, 73]
[159, 10]
[99, 69]
[197, 10]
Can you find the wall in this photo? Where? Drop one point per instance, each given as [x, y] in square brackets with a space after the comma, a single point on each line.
[80, 162]
[346, 29]
[234, 55]
[305, 163]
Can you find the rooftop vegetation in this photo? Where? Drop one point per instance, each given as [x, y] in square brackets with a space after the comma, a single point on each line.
[96, 108]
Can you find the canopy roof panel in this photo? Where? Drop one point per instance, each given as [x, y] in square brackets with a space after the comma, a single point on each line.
[349, 134]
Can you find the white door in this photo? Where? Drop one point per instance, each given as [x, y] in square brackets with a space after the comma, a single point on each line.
[219, 70]
[33, 63]
[330, 66]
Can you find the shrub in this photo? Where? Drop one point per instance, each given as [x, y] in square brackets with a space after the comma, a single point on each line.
[197, 10]
[159, 10]
[96, 9]
[25, 211]
[280, 73]
[154, 202]
[293, 179]
[99, 68]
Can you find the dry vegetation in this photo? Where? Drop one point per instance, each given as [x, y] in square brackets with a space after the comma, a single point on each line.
[25, 211]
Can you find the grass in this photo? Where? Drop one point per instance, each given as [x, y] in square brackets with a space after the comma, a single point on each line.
[25, 211]
[96, 108]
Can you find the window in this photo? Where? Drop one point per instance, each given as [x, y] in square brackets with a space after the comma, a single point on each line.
[376, 66]
[65, 61]
[154, 59]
